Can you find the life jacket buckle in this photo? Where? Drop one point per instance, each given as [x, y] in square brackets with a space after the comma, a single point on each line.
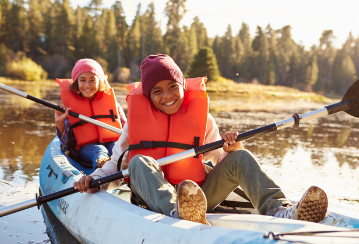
[146, 144]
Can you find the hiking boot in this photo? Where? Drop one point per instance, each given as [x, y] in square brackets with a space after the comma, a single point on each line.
[312, 207]
[191, 202]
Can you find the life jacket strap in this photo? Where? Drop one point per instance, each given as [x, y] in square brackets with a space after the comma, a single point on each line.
[110, 116]
[156, 144]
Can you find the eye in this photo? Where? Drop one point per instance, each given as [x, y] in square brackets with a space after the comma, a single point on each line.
[156, 91]
[174, 85]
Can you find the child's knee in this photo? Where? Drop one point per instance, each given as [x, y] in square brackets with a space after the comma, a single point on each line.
[140, 161]
[241, 154]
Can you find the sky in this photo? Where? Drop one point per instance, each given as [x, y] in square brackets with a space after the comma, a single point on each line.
[308, 18]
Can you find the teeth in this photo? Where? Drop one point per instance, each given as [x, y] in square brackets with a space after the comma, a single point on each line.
[170, 103]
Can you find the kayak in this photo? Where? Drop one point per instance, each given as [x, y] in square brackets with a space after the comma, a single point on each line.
[109, 217]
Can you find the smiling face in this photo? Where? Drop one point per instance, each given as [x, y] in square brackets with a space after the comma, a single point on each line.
[88, 85]
[167, 96]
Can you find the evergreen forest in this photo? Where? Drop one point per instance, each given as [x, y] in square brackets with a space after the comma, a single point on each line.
[42, 39]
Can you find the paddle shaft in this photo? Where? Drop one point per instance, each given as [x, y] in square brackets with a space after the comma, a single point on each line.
[327, 110]
[52, 196]
[43, 102]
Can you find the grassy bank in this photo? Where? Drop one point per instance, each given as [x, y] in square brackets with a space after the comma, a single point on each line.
[245, 90]
[227, 95]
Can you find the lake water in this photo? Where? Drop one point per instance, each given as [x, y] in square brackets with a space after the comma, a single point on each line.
[322, 152]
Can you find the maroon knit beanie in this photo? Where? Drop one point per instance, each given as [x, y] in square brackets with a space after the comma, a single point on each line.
[157, 68]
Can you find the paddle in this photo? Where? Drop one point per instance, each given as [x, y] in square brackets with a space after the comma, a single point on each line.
[79, 116]
[349, 104]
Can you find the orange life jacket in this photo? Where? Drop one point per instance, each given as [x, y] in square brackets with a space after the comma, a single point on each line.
[149, 125]
[102, 107]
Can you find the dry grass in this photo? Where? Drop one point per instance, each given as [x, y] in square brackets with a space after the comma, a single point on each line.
[245, 90]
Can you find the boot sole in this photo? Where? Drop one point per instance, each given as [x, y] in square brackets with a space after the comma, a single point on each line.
[191, 202]
[313, 205]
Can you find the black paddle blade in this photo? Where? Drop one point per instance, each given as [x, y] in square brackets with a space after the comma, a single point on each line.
[351, 97]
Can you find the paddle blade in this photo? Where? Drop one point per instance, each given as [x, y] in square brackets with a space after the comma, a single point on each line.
[351, 97]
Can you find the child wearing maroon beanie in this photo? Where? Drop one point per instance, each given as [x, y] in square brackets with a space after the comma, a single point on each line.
[88, 80]
[164, 86]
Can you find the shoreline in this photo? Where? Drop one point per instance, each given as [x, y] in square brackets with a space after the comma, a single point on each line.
[229, 96]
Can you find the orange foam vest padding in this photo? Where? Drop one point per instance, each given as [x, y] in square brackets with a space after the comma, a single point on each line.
[146, 123]
[100, 105]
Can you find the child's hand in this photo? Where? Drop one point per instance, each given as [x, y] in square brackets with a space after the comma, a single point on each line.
[83, 185]
[230, 144]
[60, 118]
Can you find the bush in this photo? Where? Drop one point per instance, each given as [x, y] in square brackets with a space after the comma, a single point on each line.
[26, 69]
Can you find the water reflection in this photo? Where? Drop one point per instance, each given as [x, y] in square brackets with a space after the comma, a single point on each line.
[339, 131]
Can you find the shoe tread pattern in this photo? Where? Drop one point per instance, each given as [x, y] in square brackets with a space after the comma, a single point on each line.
[313, 205]
[191, 202]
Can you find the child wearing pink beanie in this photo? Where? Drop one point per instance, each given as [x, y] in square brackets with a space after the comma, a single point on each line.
[87, 92]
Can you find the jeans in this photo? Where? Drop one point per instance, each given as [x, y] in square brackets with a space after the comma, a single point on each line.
[91, 152]
[239, 168]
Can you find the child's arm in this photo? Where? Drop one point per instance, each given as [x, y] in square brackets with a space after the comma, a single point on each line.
[60, 118]
[212, 135]
[123, 118]
[110, 167]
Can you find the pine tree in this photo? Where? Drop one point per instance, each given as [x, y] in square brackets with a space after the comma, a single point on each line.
[227, 65]
[134, 45]
[151, 33]
[344, 72]
[63, 29]
[192, 44]
[95, 8]
[286, 50]
[312, 70]
[184, 54]
[89, 47]
[175, 11]
[36, 28]
[326, 56]
[260, 55]
[4, 22]
[121, 33]
[245, 36]
[355, 56]
[204, 64]
[17, 26]
[109, 46]
[244, 69]
[49, 22]
[217, 49]
[201, 33]
[272, 63]
[81, 15]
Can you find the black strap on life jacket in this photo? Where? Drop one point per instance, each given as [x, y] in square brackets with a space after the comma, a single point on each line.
[111, 116]
[156, 144]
